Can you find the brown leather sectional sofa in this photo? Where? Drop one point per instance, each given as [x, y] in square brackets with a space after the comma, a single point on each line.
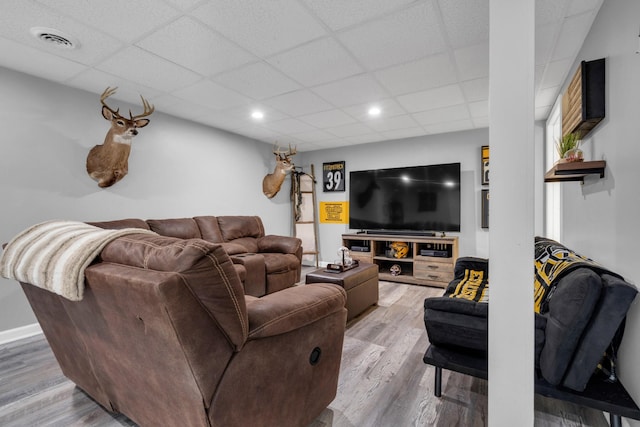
[264, 263]
[166, 335]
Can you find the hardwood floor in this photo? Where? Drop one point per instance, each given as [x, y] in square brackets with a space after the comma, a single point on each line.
[383, 381]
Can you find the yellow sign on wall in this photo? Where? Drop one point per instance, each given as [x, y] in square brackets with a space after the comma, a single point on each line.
[334, 212]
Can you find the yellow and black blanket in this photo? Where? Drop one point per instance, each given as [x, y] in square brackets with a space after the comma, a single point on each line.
[553, 261]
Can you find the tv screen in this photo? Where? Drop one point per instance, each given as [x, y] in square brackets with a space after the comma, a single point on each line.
[417, 198]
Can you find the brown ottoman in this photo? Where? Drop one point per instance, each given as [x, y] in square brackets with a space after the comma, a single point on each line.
[360, 283]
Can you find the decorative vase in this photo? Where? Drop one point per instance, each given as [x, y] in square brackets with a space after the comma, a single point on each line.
[573, 155]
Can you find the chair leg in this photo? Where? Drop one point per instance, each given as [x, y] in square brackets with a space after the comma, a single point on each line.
[615, 420]
[438, 383]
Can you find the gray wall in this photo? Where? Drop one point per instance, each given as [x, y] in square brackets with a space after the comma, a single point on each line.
[463, 147]
[600, 218]
[177, 168]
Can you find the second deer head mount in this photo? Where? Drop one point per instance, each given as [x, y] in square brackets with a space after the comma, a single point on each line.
[272, 182]
[109, 163]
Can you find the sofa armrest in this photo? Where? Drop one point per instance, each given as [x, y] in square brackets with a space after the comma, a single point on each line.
[293, 308]
[457, 305]
[279, 244]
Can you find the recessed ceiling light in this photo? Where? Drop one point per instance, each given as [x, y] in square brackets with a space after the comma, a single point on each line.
[374, 111]
[257, 115]
[54, 37]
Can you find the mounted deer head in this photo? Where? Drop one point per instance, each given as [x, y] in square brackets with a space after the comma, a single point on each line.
[109, 163]
[272, 182]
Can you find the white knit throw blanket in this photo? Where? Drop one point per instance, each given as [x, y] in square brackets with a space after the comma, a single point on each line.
[54, 255]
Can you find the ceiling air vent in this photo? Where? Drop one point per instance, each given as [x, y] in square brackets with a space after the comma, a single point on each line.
[54, 37]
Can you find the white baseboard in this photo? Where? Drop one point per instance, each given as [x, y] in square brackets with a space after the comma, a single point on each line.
[20, 333]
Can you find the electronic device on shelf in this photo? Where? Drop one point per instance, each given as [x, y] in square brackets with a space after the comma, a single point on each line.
[433, 252]
[360, 248]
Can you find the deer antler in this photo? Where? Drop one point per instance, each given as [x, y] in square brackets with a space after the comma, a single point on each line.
[107, 93]
[288, 153]
[148, 109]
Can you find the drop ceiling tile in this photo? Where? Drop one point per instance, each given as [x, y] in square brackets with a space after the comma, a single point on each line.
[313, 136]
[542, 113]
[545, 41]
[547, 96]
[581, 6]
[193, 45]
[481, 122]
[317, 62]
[473, 61]
[289, 126]
[476, 90]
[549, 11]
[124, 19]
[21, 58]
[96, 81]
[466, 21]
[148, 70]
[327, 119]
[341, 14]
[442, 115]
[352, 90]
[556, 73]
[431, 99]
[433, 71]
[211, 95]
[178, 107]
[352, 129]
[384, 124]
[388, 108]
[363, 139]
[184, 4]
[404, 133]
[263, 134]
[572, 35]
[298, 103]
[262, 27]
[258, 81]
[450, 126]
[244, 113]
[19, 16]
[479, 109]
[404, 36]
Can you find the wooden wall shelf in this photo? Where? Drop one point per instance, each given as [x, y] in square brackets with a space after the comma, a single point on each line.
[575, 171]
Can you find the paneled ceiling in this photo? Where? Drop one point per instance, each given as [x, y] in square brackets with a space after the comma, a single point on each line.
[314, 68]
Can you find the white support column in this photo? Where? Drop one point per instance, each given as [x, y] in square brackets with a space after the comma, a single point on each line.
[511, 138]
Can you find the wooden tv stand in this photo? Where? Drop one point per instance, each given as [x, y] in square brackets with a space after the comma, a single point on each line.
[417, 269]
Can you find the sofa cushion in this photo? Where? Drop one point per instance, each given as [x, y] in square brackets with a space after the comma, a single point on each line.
[570, 305]
[279, 263]
[203, 266]
[279, 244]
[614, 302]
[121, 223]
[209, 228]
[236, 227]
[183, 228]
[458, 323]
[250, 244]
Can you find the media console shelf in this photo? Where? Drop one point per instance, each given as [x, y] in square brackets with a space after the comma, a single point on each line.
[417, 269]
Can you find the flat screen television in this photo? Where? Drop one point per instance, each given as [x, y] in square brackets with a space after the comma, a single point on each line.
[413, 199]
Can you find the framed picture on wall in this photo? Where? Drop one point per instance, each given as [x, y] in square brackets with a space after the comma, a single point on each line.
[333, 176]
[485, 165]
[484, 222]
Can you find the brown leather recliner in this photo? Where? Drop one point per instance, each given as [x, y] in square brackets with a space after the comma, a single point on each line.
[265, 263]
[165, 335]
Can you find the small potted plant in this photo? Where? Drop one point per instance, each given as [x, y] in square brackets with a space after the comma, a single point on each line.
[568, 148]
